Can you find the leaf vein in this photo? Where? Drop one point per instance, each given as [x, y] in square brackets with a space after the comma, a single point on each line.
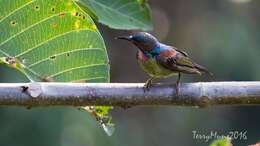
[130, 3]
[75, 68]
[111, 9]
[76, 50]
[50, 39]
[28, 28]
[87, 79]
[19, 8]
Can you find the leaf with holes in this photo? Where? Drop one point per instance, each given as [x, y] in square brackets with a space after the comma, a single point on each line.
[121, 14]
[52, 40]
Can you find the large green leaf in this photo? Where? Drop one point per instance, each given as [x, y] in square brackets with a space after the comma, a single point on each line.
[52, 40]
[121, 14]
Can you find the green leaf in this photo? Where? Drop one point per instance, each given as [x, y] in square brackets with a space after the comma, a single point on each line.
[13, 62]
[101, 113]
[87, 10]
[52, 40]
[103, 110]
[122, 14]
[105, 119]
[222, 142]
[109, 128]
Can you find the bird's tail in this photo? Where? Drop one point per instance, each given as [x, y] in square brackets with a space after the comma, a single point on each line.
[202, 69]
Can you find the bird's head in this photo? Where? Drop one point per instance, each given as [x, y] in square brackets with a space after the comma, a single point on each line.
[143, 40]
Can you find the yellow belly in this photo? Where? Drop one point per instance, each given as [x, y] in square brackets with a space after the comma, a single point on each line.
[155, 70]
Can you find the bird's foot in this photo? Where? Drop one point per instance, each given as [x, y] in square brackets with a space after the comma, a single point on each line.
[177, 89]
[178, 85]
[147, 85]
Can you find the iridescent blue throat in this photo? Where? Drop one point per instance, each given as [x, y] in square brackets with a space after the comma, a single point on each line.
[153, 52]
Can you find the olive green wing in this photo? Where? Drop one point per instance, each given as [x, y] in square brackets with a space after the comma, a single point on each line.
[177, 60]
[180, 51]
[178, 63]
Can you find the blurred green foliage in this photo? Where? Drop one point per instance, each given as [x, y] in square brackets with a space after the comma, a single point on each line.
[222, 142]
[121, 14]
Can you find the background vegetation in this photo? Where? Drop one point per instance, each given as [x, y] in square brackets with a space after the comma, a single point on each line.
[222, 35]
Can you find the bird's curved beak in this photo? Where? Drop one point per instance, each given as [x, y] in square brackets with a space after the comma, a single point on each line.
[128, 38]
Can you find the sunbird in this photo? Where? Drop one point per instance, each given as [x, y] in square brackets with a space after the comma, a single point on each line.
[160, 60]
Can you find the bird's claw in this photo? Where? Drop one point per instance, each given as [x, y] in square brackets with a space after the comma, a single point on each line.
[178, 85]
[147, 86]
[177, 89]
